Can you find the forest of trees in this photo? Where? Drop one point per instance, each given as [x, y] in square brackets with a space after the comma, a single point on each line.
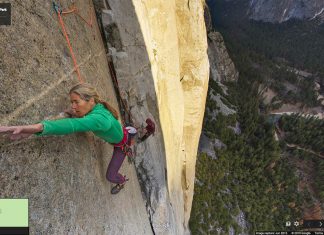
[248, 175]
[253, 173]
[308, 133]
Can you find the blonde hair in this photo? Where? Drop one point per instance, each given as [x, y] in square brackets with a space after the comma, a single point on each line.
[86, 92]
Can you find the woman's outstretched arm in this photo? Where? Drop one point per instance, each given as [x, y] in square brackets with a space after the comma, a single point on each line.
[20, 132]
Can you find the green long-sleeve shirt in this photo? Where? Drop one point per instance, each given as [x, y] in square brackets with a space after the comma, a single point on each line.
[99, 120]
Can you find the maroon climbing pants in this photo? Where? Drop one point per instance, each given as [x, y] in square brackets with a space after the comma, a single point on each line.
[115, 163]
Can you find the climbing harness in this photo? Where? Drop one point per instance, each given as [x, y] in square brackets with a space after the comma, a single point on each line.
[125, 144]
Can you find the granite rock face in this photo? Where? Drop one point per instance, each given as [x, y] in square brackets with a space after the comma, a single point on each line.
[283, 10]
[222, 68]
[64, 176]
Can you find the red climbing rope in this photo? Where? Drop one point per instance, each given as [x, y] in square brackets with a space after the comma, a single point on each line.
[75, 10]
[76, 67]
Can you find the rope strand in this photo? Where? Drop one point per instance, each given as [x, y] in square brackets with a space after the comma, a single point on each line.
[60, 13]
[76, 67]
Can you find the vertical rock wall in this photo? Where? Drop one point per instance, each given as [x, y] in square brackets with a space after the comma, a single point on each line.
[222, 68]
[162, 67]
[194, 74]
[63, 177]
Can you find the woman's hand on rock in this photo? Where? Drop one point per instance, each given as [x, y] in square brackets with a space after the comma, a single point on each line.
[7, 129]
[14, 132]
[19, 136]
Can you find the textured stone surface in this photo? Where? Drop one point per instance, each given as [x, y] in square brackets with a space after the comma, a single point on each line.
[206, 146]
[283, 10]
[222, 67]
[163, 71]
[63, 177]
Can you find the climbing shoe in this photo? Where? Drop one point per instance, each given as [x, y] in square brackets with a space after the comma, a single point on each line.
[149, 130]
[117, 188]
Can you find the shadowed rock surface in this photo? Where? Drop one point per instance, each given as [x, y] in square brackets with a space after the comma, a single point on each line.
[283, 10]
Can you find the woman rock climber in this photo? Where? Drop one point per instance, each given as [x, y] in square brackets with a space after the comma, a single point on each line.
[90, 113]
